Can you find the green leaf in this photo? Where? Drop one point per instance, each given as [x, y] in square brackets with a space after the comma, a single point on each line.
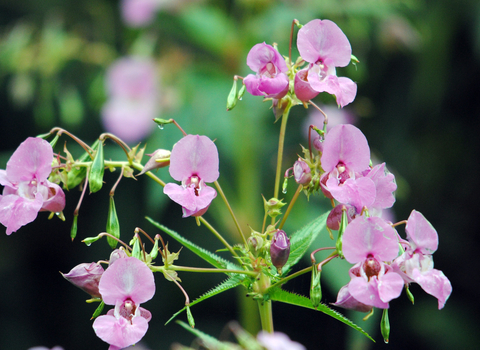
[209, 341]
[209, 257]
[278, 294]
[230, 283]
[301, 240]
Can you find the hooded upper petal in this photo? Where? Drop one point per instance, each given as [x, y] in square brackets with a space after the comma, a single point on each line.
[421, 232]
[262, 54]
[194, 155]
[127, 278]
[321, 40]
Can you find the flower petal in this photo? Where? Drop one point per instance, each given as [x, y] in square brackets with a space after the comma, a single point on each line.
[16, 211]
[118, 331]
[421, 232]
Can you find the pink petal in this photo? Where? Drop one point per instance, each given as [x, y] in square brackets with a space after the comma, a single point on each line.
[324, 40]
[119, 332]
[194, 155]
[345, 143]
[276, 87]
[357, 192]
[366, 292]
[369, 236]
[183, 196]
[385, 186]
[303, 90]
[56, 198]
[261, 54]
[435, 283]
[422, 233]
[344, 89]
[390, 286]
[32, 159]
[16, 211]
[127, 278]
[345, 300]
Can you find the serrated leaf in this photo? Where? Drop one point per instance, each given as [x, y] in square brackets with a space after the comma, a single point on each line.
[209, 341]
[209, 257]
[301, 240]
[230, 283]
[278, 294]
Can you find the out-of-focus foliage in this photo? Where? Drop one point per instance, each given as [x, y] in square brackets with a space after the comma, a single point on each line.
[418, 78]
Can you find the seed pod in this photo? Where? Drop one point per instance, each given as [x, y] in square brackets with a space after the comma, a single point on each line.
[95, 176]
[113, 225]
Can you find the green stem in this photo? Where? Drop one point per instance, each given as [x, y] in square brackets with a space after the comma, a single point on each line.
[218, 235]
[265, 308]
[219, 189]
[292, 276]
[203, 270]
[281, 142]
[290, 206]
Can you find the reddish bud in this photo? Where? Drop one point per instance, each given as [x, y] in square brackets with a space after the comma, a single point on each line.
[86, 277]
[280, 249]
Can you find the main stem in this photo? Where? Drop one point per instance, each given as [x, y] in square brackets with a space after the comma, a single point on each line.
[265, 308]
[281, 142]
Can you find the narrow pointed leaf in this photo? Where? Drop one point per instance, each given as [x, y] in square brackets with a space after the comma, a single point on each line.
[209, 257]
[209, 341]
[283, 296]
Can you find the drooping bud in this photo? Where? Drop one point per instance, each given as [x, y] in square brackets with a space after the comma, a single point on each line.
[158, 159]
[86, 277]
[95, 176]
[301, 172]
[280, 249]
[113, 225]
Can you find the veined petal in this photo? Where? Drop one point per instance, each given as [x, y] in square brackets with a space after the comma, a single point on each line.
[366, 292]
[276, 87]
[32, 159]
[421, 232]
[369, 236]
[385, 186]
[16, 211]
[261, 54]
[390, 286]
[127, 278]
[194, 155]
[118, 331]
[56, 198]
[357, 192]
[321, 40]
[435, 283]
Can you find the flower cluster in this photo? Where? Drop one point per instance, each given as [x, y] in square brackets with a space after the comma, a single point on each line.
[323, 46]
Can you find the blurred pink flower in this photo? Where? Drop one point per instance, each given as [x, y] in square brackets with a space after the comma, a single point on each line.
[132, 88]
[138, 13]
[278, 341]
[27, 190]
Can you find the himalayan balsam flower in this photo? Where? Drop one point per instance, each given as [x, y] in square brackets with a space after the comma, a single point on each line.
[126, 284]
[277, 341]
[416, 264]
[86, 277]
[194, 162]
[27, 190]
[369, 243]
[280, 249]
[132, 89]
[270, 79]
[324, 46]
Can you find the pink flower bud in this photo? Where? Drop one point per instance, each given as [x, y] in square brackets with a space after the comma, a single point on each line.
[86, 277]
[158, 159]
[280, 249]
[301, 171]
[117, 254]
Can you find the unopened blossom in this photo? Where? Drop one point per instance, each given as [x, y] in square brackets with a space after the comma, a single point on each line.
[270, 79]
[325, 47]
[279, 249]
[27, 190]
[278, 341]
[86, 277]
[369, 243]
[125, 284]
[194, 162]
[416, 264]
[345, 156]
[158, 159]
[302, 172]
[132, 89]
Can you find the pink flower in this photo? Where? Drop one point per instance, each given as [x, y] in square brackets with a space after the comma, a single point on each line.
[27, 190]
[270, 67]
[86, 277]
[278, 341]
[132, 89]
[324, 46]
[138, 13]
[194, 161]
[368, 243]
[345, 156]
[302, 172]
[416, 264]
[126, 284]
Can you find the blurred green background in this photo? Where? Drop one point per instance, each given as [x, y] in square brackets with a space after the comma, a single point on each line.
[418, 81]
